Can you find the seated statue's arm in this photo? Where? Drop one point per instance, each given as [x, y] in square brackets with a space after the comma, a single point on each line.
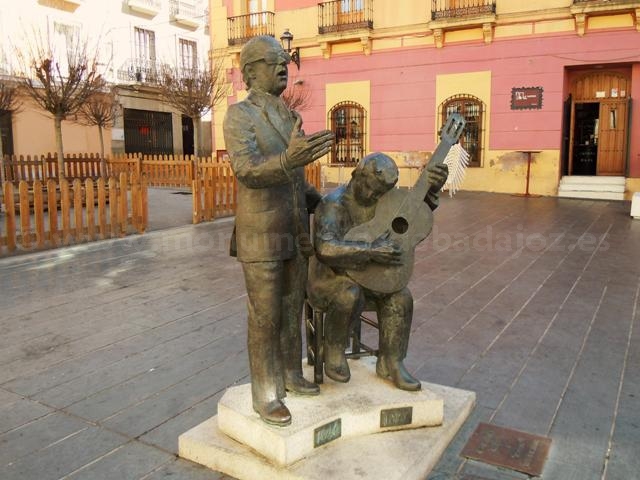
[331, 248]
[250, 166]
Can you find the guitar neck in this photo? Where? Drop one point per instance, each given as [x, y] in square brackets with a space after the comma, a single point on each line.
[421, 186]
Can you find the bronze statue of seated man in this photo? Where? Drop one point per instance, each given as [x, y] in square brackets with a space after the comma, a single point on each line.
[332, 289]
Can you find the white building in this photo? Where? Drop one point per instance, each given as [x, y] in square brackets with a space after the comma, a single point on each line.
[134, 38]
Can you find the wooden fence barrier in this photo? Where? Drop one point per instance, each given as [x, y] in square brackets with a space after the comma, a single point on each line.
[168, 170]
[313, 174]
[160, 170]
[215, 188]
[127, 162]
[76, 211]
[30, 168]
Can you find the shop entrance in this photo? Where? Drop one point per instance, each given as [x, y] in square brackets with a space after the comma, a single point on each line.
[598, 129]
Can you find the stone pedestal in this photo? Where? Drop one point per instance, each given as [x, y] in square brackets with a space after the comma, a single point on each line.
[332, 435]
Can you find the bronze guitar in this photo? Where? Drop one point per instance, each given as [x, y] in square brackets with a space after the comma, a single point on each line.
[407, 219]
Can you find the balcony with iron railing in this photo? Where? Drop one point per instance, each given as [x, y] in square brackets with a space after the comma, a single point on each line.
[442, 9]
[189, 13]
[462, 14]
[607, 2]
[605, 5]
[147, 7]
[139, 70]
[242, 28]
[62, 4]
[339, 16]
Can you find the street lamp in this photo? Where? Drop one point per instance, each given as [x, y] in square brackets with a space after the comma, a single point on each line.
[286, 38]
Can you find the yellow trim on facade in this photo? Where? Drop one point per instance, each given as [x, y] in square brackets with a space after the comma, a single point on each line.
[633, 185]
[516, 30]
[505, 171]
[466, 35]
[554, 26]
[610, 21]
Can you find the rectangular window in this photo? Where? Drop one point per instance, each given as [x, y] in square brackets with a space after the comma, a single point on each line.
[145, 44]
[188, 54]
[65, 36]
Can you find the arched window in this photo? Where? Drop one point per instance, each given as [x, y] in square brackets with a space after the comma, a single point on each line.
[472, 109]
[347, 120]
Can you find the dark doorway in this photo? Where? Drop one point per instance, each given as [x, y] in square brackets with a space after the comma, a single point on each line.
[7, 132]
[585, 138]
[187, 135]
[566, 135]
[147, 132]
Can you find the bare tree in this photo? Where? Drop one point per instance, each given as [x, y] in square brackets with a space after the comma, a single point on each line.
[9, 101]
[100, 110]
[195, 91]
[297, 96]
[59, 83]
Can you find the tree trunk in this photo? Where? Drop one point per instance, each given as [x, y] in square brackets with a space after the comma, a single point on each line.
[60, 152]
[1, 164]
[197, 134]
[103, 163]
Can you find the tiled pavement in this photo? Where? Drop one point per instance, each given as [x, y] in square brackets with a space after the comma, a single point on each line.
[109, 351]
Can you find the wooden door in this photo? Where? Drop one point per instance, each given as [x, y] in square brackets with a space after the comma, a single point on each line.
[257, 18]
[350, 11]
[610, 91]
[612, 137]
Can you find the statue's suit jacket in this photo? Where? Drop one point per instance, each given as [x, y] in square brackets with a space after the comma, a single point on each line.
[256, 134]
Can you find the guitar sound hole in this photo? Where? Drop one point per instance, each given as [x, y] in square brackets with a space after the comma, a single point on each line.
[400, 225]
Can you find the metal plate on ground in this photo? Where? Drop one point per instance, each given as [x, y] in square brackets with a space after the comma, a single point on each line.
[508, 448]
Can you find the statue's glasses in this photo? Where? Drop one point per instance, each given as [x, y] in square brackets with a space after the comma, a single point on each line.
[275, 58]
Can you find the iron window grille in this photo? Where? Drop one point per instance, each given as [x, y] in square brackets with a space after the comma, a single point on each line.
[347, 121]
[473, 110]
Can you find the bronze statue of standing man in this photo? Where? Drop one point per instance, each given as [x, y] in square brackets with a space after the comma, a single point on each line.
[268, 152]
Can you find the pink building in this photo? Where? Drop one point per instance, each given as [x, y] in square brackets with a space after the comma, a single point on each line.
[558, 81]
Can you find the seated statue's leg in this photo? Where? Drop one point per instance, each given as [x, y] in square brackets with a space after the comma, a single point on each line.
[347, 304]
[295, 275]
[395, 313]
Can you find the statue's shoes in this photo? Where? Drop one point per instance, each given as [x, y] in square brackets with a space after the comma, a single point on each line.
[335, 365]
[274, 413]
[398, 374]
[296, 383]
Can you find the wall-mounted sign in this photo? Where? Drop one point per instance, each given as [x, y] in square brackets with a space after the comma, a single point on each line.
[526, 97]
[117, 134]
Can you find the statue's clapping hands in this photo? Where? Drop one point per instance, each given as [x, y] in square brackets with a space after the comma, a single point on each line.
[305, 149]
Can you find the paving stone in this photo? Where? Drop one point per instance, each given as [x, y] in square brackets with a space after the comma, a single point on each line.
[108, 402]
[37, 435]
[184, 470]
[132, 460]
[171, 402]
[64, 457]
[17, 413]
[166, 435]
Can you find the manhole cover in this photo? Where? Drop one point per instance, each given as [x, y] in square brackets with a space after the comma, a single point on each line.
[508, 448]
